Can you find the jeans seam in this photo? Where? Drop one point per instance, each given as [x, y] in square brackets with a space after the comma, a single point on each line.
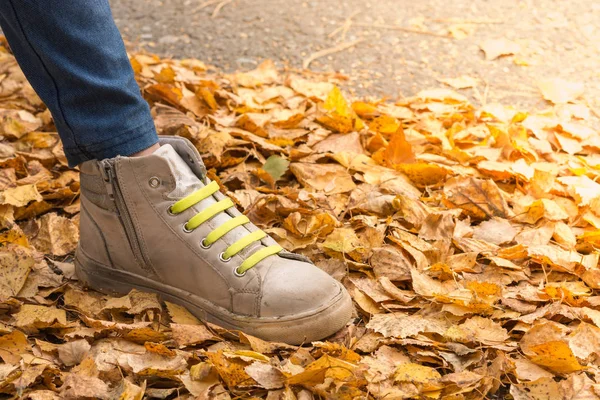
[99, 145]
[47, 71]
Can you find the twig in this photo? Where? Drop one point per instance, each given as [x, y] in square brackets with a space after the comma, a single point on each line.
[219, 7]
[345, 26]
[469, 21]
[400, 28]
[206, 4]
[331, 50]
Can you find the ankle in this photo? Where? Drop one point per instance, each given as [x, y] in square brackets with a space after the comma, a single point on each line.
[147, 151]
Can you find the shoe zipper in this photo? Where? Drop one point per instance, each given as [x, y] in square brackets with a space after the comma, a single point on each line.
[115, 194]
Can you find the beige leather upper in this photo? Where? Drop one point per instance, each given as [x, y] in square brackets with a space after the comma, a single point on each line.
[278, 286]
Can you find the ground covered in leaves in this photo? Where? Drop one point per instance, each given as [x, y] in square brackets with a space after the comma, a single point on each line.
[467, 237]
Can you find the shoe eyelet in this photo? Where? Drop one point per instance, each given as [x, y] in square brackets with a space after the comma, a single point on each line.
[186, 229]
[170, 212]
[236, 273]
[154, 182]
[223, 259]
[204, 245]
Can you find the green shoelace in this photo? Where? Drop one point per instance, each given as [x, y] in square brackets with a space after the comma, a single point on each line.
[210, 212]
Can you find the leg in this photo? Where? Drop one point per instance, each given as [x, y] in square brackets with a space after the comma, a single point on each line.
[74, 57]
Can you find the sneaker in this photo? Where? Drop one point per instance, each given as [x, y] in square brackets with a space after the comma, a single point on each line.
[157, 223]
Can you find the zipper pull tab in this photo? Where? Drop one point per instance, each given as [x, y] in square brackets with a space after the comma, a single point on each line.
[106, 171]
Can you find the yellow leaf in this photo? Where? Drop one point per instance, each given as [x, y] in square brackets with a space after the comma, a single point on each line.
[20, 196]
[208, 97]
[556, 356]
[426, 378]
[339, 116]
[12, 346]
[325, 367]
[34, 316]
[166, 75]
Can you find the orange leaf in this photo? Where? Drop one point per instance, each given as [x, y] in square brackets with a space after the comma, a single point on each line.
[399, 151]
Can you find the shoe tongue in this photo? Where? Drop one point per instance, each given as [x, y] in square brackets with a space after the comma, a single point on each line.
[185, 179]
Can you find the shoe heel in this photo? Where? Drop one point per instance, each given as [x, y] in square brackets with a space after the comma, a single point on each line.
[92, 277]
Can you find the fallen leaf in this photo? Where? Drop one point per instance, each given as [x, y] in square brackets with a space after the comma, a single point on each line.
[57, 235]
[186, 335]
[12, 346]
[560, 91]
[494, 48]
[180, 315]
[266, 375]
[15, 266]
[20, 196]
[276, 166]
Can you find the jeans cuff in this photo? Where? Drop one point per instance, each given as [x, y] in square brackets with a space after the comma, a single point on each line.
[123, 144]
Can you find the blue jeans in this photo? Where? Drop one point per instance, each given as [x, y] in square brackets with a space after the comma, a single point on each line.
[74, 57]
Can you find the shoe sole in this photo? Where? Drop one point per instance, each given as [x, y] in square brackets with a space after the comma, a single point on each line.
[296, 330]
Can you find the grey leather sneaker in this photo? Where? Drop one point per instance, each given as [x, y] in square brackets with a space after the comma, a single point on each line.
[156, 223]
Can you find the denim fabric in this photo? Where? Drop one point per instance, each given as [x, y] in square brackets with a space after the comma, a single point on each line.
[75, 59]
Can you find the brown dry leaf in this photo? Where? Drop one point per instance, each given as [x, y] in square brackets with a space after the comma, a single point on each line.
[89, 303]
[180, 315]
[438, 226]
[541, 389]
[186, 335]
[38, 317]
[135, 302]
[72, 353]
[481, 199]
[400, 325]
[584, 341]
[341, 143]
[15, 265]
[77, 386]
[478, 329]
[496, 230]
[390, 262]
[329, 178]
[57, 235]
[525, 370]
[16, 123]
[266, 375]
